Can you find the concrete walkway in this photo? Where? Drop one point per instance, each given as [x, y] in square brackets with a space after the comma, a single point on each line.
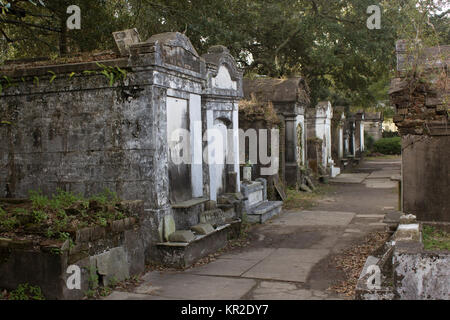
[289, 256]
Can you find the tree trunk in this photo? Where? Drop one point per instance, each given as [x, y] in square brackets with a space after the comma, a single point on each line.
[63, 37]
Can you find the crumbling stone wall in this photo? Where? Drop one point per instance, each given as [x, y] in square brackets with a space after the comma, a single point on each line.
[421, 96]
[101, 141]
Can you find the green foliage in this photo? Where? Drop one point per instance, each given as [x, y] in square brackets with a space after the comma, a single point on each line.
[105, 197]
[56, 216]
[39, 216]
[26, 292]
[390, 134]
[93, 277]
[368, 141]
[435, 239]
[105, 291]
[64, 199]
[112, 74]
[388, 146]
[7, 222]
[38, 200]
[325, 41]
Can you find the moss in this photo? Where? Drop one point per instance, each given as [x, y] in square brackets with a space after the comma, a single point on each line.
[434, 239]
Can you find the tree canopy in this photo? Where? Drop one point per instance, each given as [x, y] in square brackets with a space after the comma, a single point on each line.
[327, 42]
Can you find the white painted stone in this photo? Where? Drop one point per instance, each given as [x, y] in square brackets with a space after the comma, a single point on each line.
[255, 197]
[236, 145]
[208, 156]
[195, 114]
[335, 171]
[247, 172]
[223, 79]
[370, 216]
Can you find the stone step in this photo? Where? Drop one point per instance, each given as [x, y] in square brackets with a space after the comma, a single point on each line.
[264, 211]
[184, 254]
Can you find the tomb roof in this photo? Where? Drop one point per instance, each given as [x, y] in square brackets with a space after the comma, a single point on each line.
[278, 90]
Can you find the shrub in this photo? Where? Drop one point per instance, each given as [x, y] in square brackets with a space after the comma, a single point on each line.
[26, 292]
[368, 141]
[388, 146]
[390, 134]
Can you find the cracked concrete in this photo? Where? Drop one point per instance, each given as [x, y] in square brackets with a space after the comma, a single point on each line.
[290, 256]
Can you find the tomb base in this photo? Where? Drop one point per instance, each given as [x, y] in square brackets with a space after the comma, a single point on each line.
[184, 254]
[256, 205]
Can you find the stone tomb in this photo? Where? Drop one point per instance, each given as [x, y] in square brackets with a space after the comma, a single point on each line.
[422, 118]
[256, 205]
[214, 171]
[373, 124]
[337, 138]
[319, 134]
[141, 137]
[289, 97]
[359, 134]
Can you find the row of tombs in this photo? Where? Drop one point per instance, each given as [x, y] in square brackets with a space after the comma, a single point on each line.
[177, 132]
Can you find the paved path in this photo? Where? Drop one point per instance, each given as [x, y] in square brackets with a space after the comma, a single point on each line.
[289, 256]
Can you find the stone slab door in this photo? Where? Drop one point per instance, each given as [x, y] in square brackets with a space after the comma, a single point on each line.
[220, 153]
[179, 150]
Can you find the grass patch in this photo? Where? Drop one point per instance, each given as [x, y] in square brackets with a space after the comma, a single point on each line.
[384, 156]
[304, 200]
[24, 292]
[59, 216]
[434, 239]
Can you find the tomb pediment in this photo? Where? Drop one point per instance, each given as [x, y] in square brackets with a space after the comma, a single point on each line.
[177, 50]
[222, 71]
[223, 79]
[174, 39]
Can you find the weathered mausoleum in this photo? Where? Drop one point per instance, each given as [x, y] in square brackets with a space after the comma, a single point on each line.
[137, 123]
[289, 97]
[422, 105]
[319, 133]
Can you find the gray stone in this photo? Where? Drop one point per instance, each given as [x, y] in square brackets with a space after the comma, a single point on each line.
[309, 183]
[117, 137]
[210, 205]
[203, 228]
[169, 227]
[305, 188]
[420, 275]
[407, 219]
[213, 217]
[407, 232]
[182, 236]
[112, 264]
[124, 39]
